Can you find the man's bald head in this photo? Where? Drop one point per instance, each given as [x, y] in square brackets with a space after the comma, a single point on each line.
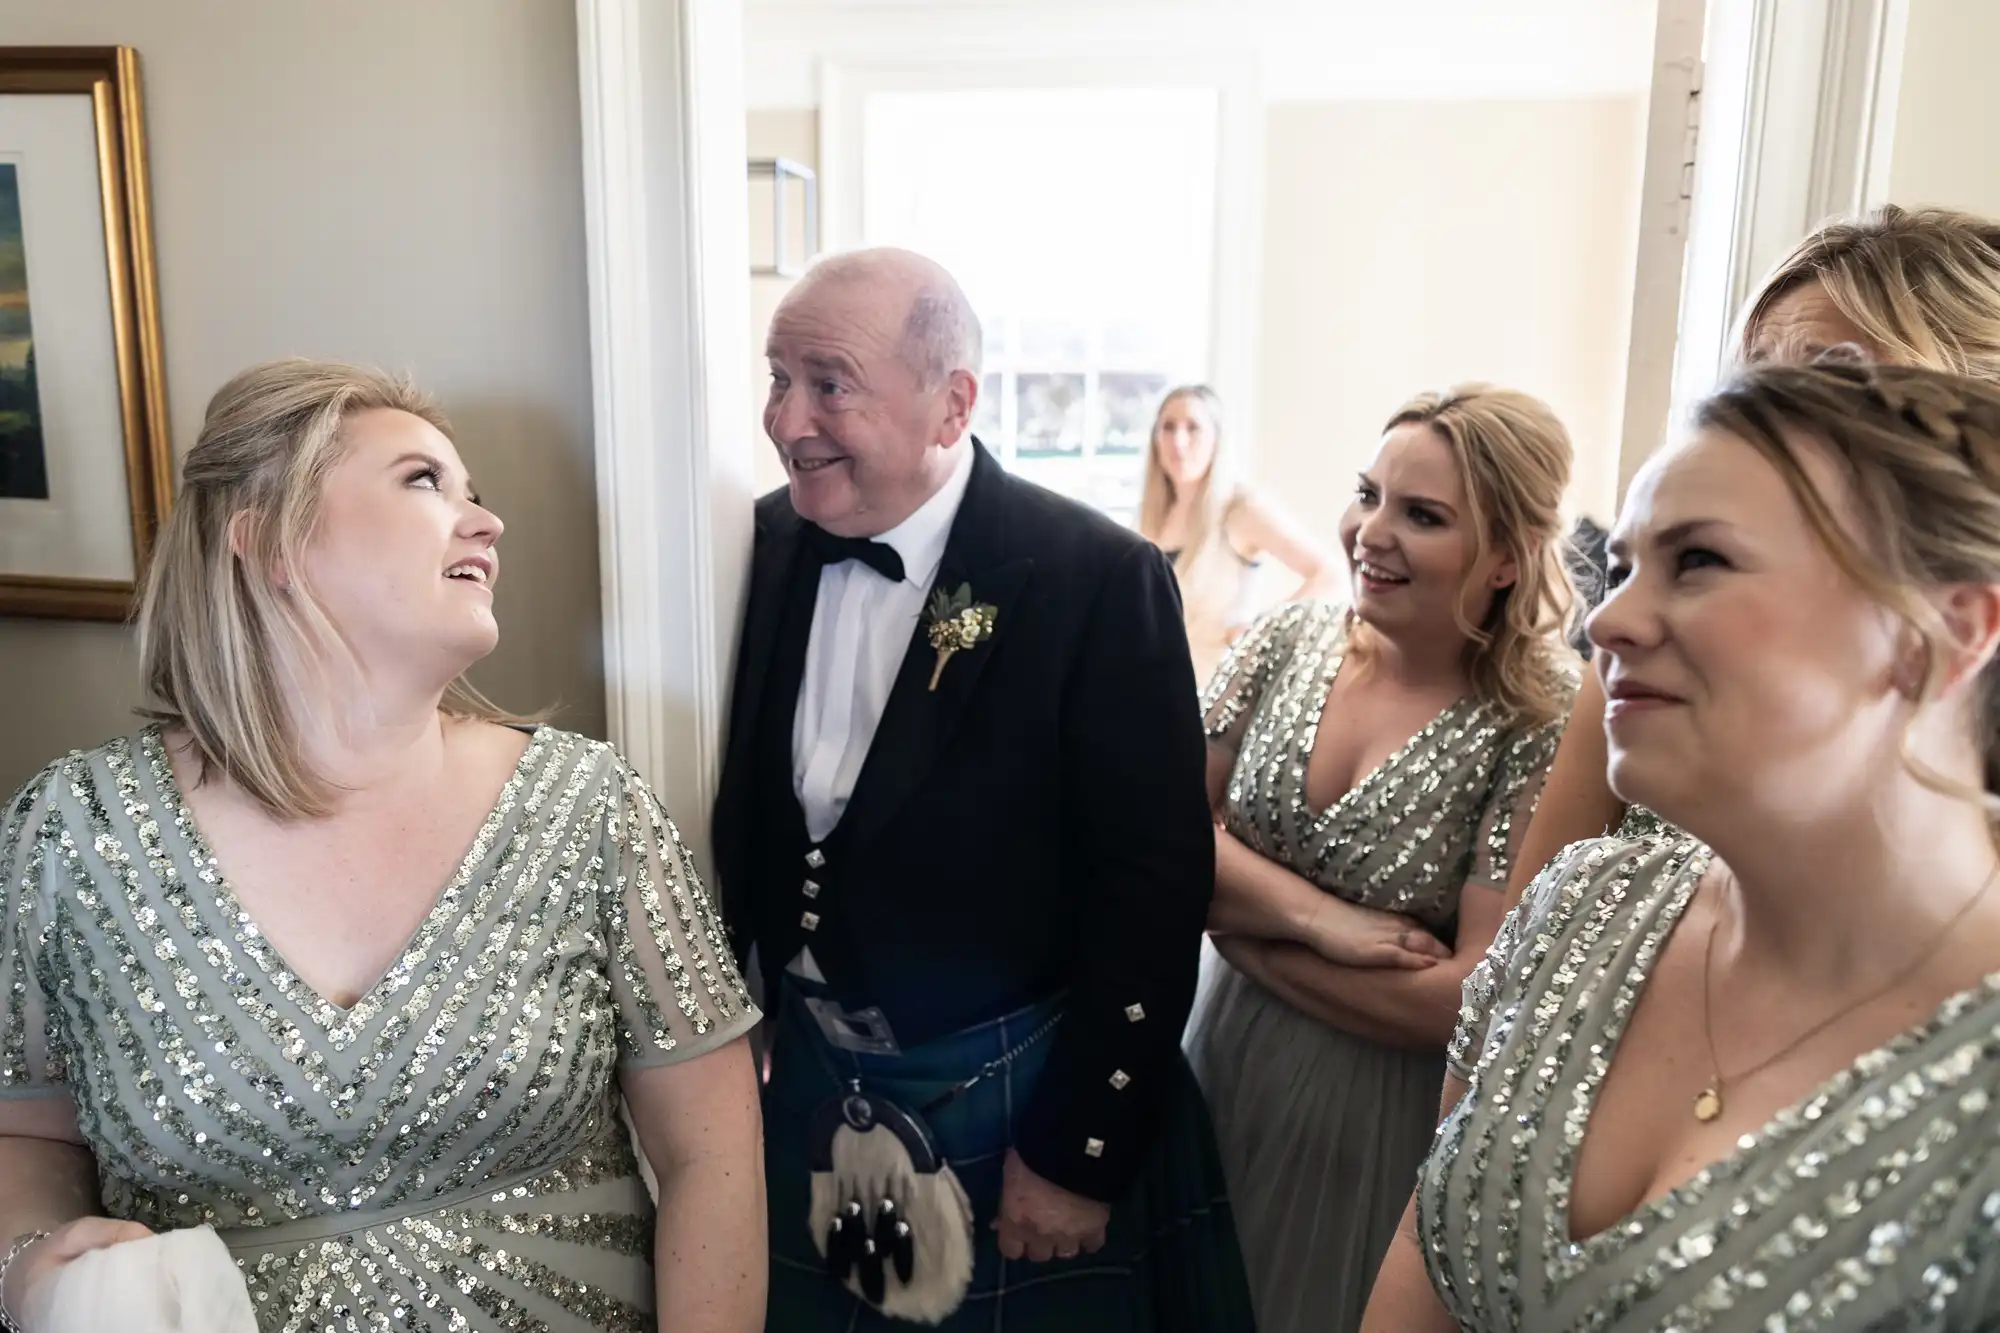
[940, 333]
[874, 378]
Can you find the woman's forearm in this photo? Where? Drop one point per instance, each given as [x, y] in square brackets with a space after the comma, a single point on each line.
[1258, 897]
[1415, 1009]
[43, 1184]
[709, 1247]
[1576, 801]
[1403, 1300]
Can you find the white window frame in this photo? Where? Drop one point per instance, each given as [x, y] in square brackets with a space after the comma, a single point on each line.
[845, 87]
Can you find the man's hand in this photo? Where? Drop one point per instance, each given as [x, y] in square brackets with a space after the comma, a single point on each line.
[1042, 1221]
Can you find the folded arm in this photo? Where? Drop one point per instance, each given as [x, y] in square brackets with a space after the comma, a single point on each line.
[1254, 895]
[1413, 1008]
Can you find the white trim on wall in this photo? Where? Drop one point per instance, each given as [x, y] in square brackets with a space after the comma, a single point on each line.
[1306, 50]
[1239, 222]
[667, 228]
[1798, 118]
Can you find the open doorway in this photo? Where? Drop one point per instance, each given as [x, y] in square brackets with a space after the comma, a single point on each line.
[1318, 209]
[1401, 197]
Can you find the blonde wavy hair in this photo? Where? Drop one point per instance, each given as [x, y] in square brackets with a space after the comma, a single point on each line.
[1207, 569]
[224, 650]
[1920, 449]
[1923, 286]
[1513, 457]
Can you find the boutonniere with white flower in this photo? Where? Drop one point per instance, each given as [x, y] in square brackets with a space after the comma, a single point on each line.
[957, 624]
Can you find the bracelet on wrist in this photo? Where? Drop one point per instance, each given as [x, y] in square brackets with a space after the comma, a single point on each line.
[21, 1245]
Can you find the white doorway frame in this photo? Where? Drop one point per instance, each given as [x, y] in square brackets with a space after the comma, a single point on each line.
[667, 233]
[1798, 110]
[1797, 116]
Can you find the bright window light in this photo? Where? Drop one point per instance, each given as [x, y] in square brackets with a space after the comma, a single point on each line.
[1081, 222]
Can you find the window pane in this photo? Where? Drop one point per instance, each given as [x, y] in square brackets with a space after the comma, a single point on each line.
[1129, 403]
[1112, 485]
[1088, 315]
[1146, 342]
[1054, 340]
[986, 412]
[1050, 414]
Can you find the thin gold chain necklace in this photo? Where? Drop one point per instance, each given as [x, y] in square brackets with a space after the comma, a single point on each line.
[1708, 1104]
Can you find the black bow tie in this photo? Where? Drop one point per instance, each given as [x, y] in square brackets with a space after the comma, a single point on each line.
[831, 550]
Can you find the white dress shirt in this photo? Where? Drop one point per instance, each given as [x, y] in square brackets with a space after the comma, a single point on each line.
[861, 630]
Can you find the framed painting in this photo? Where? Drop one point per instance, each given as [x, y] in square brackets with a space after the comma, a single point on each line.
[86, 465]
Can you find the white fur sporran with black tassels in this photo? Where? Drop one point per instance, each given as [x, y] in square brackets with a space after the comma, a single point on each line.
[888, 1213]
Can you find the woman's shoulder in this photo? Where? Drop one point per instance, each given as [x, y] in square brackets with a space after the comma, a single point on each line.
[588, 761]
[1628, 870]
[1296, 626]
[67, 788]
[1557, 677]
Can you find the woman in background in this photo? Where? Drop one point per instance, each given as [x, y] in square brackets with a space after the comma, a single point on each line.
[338, 960]
[1746, 1078]
[1215, 529]
[1372, 763]
[1907, 287]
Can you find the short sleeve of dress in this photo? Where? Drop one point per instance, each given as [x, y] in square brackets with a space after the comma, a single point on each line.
[1484, 992]
[29, 1063]
[678, 989]
[1517, 787]
[1250, 665]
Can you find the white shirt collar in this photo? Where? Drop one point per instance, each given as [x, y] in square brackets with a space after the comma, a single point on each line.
[920, 539]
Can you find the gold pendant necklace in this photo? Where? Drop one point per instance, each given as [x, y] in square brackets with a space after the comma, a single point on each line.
[1708, 1104]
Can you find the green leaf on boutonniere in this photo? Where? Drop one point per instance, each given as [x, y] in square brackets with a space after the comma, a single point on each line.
[956, 624]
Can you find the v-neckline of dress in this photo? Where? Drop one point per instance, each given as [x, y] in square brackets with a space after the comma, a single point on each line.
[342, 1022]
[1318, 819]
[1569, 1256]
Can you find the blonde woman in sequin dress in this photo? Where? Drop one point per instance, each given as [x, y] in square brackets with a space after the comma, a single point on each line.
[333, 961]
[1913, 287]
[1370, 767]
[1747, 1078]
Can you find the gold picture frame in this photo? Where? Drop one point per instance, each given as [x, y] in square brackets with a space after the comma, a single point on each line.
[109, 77]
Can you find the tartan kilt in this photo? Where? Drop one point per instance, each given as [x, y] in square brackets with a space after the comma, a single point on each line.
[1170, 1263]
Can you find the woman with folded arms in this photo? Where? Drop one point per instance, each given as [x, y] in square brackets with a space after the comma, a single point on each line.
[1372, 764]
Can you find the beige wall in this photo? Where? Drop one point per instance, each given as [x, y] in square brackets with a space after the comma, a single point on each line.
[793, 134]
[383, 181]
[1411, 245]
[1944, 151]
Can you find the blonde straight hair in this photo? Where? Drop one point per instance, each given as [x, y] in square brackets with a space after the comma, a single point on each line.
[226, 651]
[1208, 568]
[1513, 457]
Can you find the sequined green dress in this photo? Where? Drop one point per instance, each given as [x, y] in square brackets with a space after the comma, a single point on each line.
[446, 1154]
[1871, 1206]
[1321, 1131]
